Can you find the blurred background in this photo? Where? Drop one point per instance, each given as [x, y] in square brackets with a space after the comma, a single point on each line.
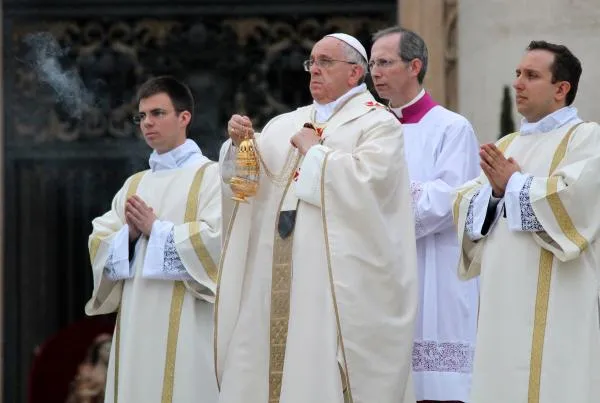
[70, 72]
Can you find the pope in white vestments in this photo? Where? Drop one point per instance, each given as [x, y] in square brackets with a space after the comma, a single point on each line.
[162, 284]
[442, 153]
[534, 240]
[317, 291]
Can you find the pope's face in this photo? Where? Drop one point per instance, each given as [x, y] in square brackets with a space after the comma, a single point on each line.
[536, 94]
[162, 126]
[330, 76]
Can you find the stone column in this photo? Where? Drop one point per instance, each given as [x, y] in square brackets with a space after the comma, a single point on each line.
[493, 37]
[435, 22]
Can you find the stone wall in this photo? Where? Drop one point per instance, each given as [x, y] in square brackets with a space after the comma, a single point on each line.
[492, 37]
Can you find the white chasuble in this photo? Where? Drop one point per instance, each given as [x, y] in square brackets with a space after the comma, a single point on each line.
[162, 346]
[538, 338]
[324, 314]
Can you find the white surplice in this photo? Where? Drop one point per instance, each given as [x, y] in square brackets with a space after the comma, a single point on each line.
[538, 337]
[353, 294]
[164, 290]
[442, 153]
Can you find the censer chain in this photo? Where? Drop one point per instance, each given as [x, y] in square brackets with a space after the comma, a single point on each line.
[283, 177]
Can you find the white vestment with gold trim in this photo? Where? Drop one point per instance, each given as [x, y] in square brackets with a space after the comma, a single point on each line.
[538, 338]
[353, 281]
[162, 349]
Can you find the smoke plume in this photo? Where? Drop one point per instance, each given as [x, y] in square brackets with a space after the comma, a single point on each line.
[45, 57]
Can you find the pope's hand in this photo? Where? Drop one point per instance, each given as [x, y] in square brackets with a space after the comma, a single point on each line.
[239, 128]
[305, 139]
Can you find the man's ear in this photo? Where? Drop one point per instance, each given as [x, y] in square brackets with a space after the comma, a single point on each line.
[562, 90]
[185, 118]
[357, 72]
[415, 66]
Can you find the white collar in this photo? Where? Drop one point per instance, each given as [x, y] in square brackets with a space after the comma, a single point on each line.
[398, 111]
[549, 122]
[180, 156]
[324, 111]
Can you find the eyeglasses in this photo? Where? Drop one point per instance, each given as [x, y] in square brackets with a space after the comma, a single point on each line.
[383, 63]
[322, 63]
[156, 114]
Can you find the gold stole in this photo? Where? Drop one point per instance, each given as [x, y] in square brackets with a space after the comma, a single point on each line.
[281, 281]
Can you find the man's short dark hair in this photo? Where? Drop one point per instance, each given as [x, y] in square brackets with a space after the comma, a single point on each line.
[180, 94]
[566, 67]
[412, 46]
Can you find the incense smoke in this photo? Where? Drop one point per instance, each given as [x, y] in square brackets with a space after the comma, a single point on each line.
[45, 58]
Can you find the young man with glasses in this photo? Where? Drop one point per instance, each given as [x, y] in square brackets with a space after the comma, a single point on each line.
[154, 258]
[442, 153]
[317, 290]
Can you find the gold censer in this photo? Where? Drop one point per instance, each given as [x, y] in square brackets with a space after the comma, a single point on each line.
[244, 183]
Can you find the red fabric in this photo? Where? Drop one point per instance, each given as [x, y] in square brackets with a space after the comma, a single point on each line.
[415, 112]
[56, 361]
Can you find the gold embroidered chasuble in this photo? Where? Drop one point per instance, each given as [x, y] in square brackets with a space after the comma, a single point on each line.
[326, 313]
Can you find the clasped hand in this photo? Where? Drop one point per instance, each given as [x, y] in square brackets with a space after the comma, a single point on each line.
[304, 139]
[497, 168]
[139, 216]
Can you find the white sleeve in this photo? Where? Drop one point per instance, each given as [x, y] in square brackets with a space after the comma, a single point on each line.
[457, 162]
[118, 266]
[308, 181]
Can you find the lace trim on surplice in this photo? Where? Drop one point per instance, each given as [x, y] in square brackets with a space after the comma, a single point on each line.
[529, 221]
[470, 218]
[416, 189]
[173, 267]
[432, 356]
